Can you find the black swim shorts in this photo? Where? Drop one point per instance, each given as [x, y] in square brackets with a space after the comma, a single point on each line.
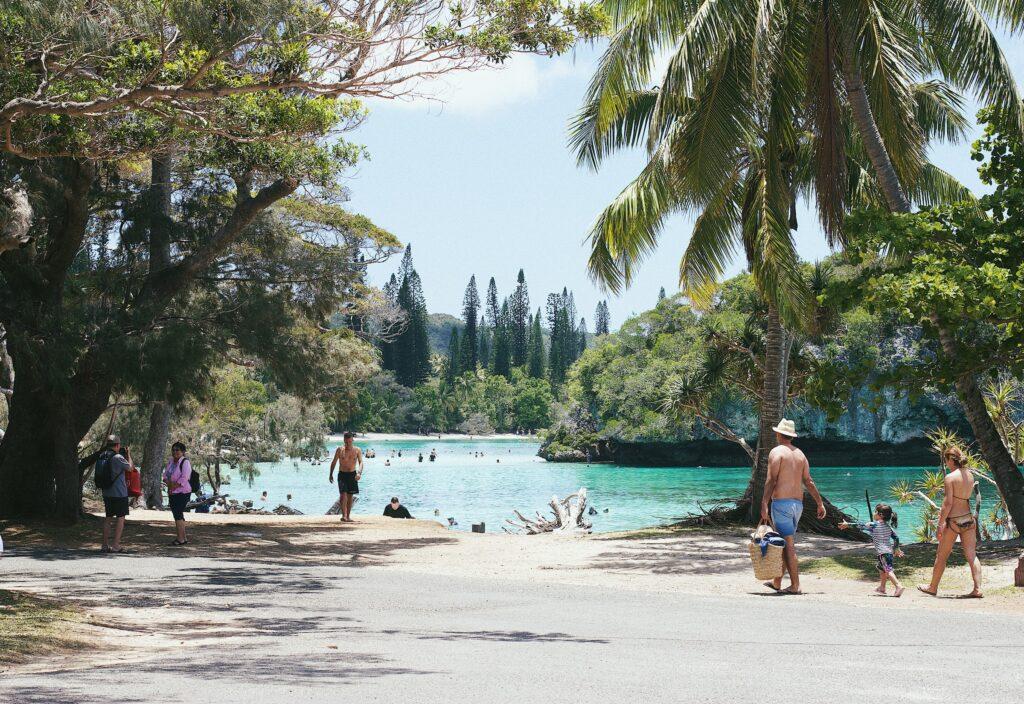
[347, 483]
[116, 506]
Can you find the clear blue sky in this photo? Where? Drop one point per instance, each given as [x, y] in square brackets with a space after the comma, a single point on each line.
[479, 181]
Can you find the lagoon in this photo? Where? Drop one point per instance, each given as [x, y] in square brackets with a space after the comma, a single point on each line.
[510, 476]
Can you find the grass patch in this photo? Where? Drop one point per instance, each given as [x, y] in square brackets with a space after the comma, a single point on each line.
[30, 626]
[914, 569]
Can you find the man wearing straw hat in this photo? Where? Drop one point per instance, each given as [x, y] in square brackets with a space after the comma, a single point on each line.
[788, 474]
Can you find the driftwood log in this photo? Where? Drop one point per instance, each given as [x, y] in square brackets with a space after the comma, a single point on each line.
[568, 517]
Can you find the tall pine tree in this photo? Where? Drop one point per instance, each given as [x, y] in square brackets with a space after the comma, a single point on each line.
[601, 319]
[485, 344]
[581, 336]
[470, 339]
[492, 307]
[503, 343]
[519, 309]
[661, 294]
[535, 366]
[409, 354]
[387, 347]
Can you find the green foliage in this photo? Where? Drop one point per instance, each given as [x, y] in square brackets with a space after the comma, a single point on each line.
[955, 267]
[242, 421]
[110, 78]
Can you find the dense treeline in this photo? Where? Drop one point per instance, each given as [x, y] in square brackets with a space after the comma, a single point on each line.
[500, 369]
[839, 380]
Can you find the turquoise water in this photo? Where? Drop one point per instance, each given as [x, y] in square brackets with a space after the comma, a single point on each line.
[510, 476]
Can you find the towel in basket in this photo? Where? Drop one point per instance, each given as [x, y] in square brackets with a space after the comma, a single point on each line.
[766, 548]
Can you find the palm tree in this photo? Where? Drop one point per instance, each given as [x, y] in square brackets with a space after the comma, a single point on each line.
[735, 135]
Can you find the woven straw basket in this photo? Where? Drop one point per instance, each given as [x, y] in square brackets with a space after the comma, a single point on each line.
[770, 565]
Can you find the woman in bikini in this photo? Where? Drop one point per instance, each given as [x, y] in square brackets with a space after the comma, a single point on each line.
[956, 520]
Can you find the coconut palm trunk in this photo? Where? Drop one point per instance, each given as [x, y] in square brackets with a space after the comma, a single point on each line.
[867, 127]
[996, 455]
[772, 402]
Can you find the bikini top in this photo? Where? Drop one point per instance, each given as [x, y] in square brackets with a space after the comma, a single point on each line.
[969, 492]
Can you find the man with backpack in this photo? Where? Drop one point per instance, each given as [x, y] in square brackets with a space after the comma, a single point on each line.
[110, 479]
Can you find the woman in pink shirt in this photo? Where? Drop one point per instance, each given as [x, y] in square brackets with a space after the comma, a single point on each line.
[179, 489]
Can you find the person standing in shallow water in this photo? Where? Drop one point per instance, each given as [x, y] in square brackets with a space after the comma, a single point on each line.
[347, 457]
[788, 473]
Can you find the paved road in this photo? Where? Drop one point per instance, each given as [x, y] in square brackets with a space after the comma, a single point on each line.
[242, 632]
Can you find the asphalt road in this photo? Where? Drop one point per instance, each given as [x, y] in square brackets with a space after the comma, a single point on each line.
[217, 631]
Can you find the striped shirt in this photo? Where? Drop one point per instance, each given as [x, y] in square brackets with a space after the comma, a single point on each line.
[883, 537]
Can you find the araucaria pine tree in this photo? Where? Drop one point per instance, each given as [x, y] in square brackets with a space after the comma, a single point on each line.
[411, 349]
[601, 320]
[661, 294]
[387, 347]
[485, 344]
[535, 366]
[493, 307]
[581, 337]
[565, 337]
[470, 339]
[503, 343]
[519, 309]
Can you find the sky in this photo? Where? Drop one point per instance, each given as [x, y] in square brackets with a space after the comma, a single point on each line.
[479, 180]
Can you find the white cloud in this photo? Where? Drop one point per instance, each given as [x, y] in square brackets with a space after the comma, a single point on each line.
[521, 79]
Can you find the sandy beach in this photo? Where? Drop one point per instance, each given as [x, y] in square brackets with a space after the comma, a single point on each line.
[309, 609]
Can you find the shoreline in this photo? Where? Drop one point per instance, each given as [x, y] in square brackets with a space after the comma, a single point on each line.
[436, 437]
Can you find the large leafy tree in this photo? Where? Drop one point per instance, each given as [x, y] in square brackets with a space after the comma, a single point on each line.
[746, 119]
[956, 271]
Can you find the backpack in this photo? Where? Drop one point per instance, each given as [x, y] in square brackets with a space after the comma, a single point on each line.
[104, 474]
[194, 482]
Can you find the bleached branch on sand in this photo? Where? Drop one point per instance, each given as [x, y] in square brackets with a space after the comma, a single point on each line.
[568, 517]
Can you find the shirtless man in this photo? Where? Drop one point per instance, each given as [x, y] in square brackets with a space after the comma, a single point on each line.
[347, 458]
[788, 473]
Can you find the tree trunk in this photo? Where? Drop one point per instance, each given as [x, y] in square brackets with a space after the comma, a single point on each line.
[154, 454]
[770, 413]
[160, 226]
[39, 475]
[1000, 462]
[867, 127]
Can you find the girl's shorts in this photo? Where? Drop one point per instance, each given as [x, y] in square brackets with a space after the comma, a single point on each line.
[885, 562]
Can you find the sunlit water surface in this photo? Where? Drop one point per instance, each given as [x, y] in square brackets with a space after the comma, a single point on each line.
[510, 476]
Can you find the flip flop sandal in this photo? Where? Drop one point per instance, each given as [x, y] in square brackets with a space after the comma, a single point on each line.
[791, 592]
[105, 549]
[973, 595]
[925, 591]
[177, 543]
[120, 551]
[771, 586]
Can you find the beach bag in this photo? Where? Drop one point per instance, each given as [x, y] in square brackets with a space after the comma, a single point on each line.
[766, 548]
[104, 474]
[133, 477]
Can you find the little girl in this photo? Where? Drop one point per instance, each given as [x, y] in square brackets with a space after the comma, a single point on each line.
[886, 543]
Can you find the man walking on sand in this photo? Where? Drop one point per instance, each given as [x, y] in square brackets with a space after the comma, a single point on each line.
[788, 474]
[347, 458]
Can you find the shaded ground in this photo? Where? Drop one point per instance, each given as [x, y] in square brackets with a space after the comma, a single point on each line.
[32, 627]
[316, 611]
